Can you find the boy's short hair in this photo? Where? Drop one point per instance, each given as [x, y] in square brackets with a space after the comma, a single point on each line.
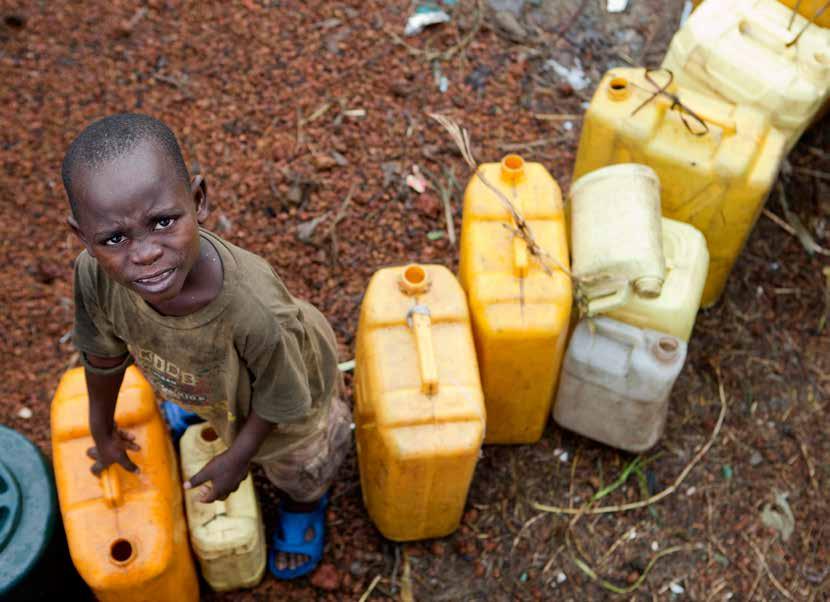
[112, 137]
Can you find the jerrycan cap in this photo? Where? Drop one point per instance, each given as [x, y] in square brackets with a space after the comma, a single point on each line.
[512, 168]
[414, 280]
[665, 349]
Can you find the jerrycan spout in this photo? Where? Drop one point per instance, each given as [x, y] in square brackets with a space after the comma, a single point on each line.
[512, 172]
[414, 282]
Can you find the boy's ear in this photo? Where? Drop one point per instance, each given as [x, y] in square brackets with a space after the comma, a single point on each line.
[76, 229]
[198, 188]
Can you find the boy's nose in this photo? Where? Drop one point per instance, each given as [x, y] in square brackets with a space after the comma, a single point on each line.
[145, 252]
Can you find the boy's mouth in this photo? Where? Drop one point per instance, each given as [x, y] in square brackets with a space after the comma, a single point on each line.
[157, 282]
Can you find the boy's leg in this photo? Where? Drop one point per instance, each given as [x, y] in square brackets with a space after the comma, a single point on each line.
[305, 474]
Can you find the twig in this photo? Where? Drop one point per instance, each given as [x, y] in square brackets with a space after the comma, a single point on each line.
[821, 175]
[763, 560]
[780, 222]
[514, 146]
[369, 590]
[585, 568]
[332, 232]
[176, 83]
[799, 230]
[811, 469]
[556, 116]
[524, 527]
[444, 55]
[658, 496]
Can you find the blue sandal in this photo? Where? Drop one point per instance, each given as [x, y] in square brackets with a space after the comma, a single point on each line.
[290, 537]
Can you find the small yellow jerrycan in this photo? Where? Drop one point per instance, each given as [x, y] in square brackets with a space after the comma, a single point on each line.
[812, 10]
[740, 51]
[675, 310]
[126, 532]
[520, 313]
[716, 161]
[616, 236]
[419, 411]
[228, 536]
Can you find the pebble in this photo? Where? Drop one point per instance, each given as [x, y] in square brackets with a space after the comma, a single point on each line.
[24, 413]
[756, 458]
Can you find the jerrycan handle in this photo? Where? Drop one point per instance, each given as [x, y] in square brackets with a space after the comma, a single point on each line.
[610, 302]
[620, 332]
[111, 484]
[419, 320]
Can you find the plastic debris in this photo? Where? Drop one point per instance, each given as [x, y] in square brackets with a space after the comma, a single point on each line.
[727, 472]
[436, 234]
[355, 113]
[416, 181]
[346, 366]
[24, 413]
[616, 6]
[575, 76]
[655, 546]
[424, 16]
[676, 588]
[561, 577]
[782, 521]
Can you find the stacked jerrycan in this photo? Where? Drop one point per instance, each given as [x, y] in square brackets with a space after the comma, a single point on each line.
[228, 536]
[617, 377]
[419, 411]
[749, 52]
[126, 532]
[716, 161]
[815, 11]
[520, 313]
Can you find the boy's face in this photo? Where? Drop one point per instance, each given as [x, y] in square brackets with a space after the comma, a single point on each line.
[140, 220]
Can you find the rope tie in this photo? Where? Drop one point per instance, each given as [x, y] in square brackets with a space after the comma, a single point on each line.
[676, 103]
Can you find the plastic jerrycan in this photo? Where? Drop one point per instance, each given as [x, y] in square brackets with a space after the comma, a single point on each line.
[228, 536]
[126, 532]
[715, 178]
[737, 50]
[520, 314]
[616, 383]
[616, 235]
[809, 9]
[419, 409]
[675, 310]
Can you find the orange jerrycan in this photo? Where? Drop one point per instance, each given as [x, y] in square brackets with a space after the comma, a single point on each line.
[419, 410]
[716, 161]
[126, 532]
[520, 313]
[749, 52]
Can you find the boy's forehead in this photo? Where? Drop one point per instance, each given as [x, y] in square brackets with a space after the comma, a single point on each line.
[144, 171]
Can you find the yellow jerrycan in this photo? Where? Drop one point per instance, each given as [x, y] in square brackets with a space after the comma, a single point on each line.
[520, 313]
[419, 411]
[675, 310]
[615, 235]
[816, 11]
[740, 51]
[126, 532]
[228, 536]
[716, 161]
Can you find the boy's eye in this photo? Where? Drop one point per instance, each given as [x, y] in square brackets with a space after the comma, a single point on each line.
[115, 239]
[164, 222]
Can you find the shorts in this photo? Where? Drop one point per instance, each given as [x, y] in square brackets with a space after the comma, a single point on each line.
[305, 471]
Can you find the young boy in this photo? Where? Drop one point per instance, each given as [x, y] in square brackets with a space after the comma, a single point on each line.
[211, 327]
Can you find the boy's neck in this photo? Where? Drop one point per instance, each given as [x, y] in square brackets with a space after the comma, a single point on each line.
[202, 285]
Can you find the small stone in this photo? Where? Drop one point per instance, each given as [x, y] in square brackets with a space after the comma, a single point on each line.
[323, 162]
[508, 22]
[438, 549]
[326, 577]
[24, 413]
[756, 458]
[561, 577]
[358, 569]
[676, 588]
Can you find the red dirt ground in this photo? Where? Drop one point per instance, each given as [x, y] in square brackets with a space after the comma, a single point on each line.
[268, 98]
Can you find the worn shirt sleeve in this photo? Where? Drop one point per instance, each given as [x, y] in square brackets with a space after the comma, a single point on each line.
[276, 357]
[92, 333]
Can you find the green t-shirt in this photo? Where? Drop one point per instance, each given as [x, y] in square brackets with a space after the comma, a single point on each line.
[254, 345]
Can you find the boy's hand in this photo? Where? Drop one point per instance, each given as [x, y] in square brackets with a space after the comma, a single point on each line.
[225, 472]
[111, 450]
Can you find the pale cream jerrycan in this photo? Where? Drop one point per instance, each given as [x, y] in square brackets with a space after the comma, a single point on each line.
[616, 382]
[675, 310]
[228, 536]
[616, 235]
[750, 52]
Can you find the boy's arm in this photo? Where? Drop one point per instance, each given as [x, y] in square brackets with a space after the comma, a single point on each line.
[227, 470]
[103, 381]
